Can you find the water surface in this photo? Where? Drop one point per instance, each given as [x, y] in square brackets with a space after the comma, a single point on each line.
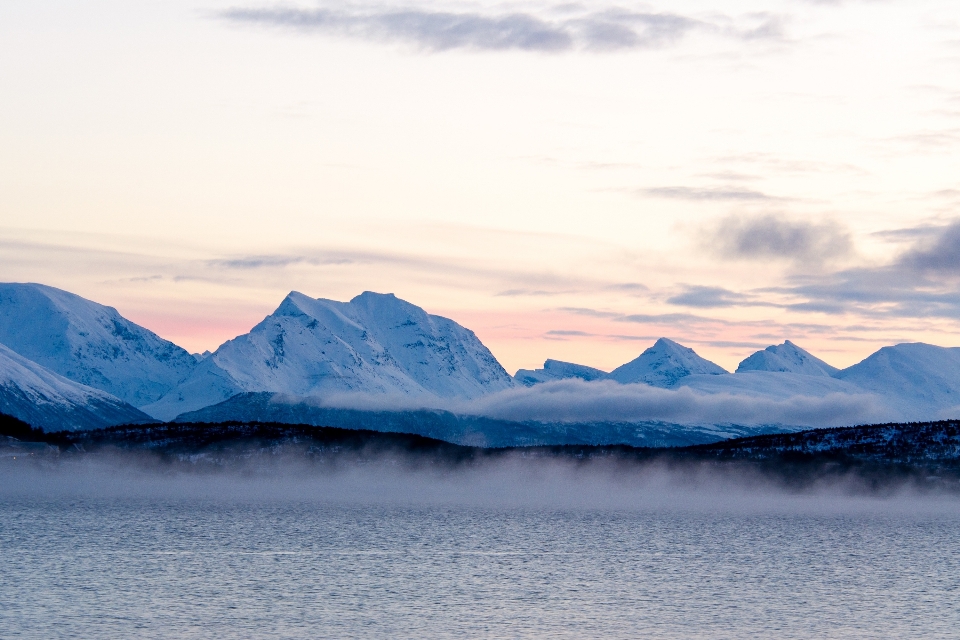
[244, 564]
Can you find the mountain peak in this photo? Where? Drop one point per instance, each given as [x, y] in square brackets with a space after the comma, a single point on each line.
[663, 364]
[374, 344]
[558, 370]
[374, 296]
[789, 358]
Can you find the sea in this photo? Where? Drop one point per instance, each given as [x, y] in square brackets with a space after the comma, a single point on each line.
[520, 550]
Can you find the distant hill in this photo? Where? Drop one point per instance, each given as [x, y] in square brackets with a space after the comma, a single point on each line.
[876, 458]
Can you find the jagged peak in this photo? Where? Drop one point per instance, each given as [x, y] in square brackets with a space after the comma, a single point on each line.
[293, 304]
[373, 295]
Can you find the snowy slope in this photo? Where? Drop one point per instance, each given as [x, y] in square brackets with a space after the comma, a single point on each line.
[374, 344]
[663, 364]
[772, 384]
[558, 370]
[42, 398]
[90, 343]
[787, 357]
[922, 380]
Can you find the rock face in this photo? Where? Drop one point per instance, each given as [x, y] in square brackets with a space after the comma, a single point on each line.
[374, 344]
[558, 370]
[44, 399]
[89, 343]
[663, 364]
[921, 379]
[787, 358]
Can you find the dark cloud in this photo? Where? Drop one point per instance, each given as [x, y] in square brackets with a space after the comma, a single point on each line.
[921, 282]
[939, 254]
[770, 237]
[434, 30]
[709, 297]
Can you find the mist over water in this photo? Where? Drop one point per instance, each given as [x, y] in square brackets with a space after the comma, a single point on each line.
[124, 546]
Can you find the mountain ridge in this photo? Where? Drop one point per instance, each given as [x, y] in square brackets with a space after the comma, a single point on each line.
[375, 343]
[43, 398]
[89, 343]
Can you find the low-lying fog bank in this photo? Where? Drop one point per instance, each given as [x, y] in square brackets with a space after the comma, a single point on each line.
[512, 479]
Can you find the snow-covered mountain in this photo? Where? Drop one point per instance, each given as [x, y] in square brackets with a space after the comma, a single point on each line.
[558, 370]
[770, 384]
[663, 364]
[42, 398]
[922, 380]
[787, 357]
[374, 344]
[65, 356]
[90, 343]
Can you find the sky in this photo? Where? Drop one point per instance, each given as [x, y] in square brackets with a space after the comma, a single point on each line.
[570, 181]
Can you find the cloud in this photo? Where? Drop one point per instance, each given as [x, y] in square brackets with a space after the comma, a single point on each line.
[512, 293]
[565, 332]
[258, 262]
[665, 318]
[575, 400]
[937, 254]
[770, 237]
[433, 30]
[711, 297]
[921, 282]
[628, 287]
[561, 29]
[737, 194]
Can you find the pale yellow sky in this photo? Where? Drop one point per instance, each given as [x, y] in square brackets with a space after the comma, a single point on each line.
[569, 182]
